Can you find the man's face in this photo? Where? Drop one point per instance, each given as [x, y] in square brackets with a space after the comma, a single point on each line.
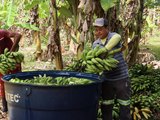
[101, 32]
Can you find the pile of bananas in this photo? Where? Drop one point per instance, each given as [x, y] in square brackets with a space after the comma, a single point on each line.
[48, 80]
[8, 60]
[91, 61]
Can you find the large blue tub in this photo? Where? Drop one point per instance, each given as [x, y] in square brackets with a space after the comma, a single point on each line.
[37, 102]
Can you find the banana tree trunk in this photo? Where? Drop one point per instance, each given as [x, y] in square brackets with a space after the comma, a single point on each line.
[54, 46]
[38, 45]
[36, 34]
[139, 22]
[79, 45]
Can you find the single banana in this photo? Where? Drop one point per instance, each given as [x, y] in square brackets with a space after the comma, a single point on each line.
[90, 53]
[94, 61]
[95, 50]
[89, 62]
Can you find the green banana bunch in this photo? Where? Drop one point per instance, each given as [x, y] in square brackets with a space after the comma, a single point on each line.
[77, 65]
[98, 65]
[8, 60]
[91, 61]
[19, 57]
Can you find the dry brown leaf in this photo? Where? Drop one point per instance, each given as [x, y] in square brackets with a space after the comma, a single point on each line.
[82, 37]
[85, 26]
[81, 4]
[88, 6]
[79, 20]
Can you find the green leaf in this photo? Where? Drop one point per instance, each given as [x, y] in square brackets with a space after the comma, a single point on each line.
[74, 39]
[65, 12]
[43, 10]
[10, 17]
[33, 27]
[106, 4]
[3, 12]
[32, 4]
[4, 26]
[27, 26]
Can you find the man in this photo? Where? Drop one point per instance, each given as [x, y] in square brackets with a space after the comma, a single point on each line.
[8, 40]
[116, 85]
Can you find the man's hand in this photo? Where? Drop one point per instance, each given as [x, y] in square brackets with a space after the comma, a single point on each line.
[104, 54]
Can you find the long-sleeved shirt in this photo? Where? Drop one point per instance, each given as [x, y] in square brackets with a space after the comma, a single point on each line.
[121, 71]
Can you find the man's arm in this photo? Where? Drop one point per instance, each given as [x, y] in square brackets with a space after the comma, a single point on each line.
[113, 41]
[16, 38]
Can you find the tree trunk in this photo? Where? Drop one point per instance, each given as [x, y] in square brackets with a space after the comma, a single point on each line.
[54, 46]
[139, 22]
[36, 34]
[99, 10]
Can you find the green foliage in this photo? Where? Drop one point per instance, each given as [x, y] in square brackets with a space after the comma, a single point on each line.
[145, 84]
[106, 4]
[8, 11]
[152, 3]
[27, 26]
[65, 12]
[149, 26]
[9, 15]
[43, 9]
[32, 4]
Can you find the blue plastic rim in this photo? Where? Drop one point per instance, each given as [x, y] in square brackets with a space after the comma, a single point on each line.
[39, 102]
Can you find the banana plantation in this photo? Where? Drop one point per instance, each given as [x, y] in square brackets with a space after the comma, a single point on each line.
[56, 50]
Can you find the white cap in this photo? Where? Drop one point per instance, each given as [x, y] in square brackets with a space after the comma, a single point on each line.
[100, 22]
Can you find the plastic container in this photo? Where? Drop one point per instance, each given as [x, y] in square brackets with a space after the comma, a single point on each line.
[38, 102]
